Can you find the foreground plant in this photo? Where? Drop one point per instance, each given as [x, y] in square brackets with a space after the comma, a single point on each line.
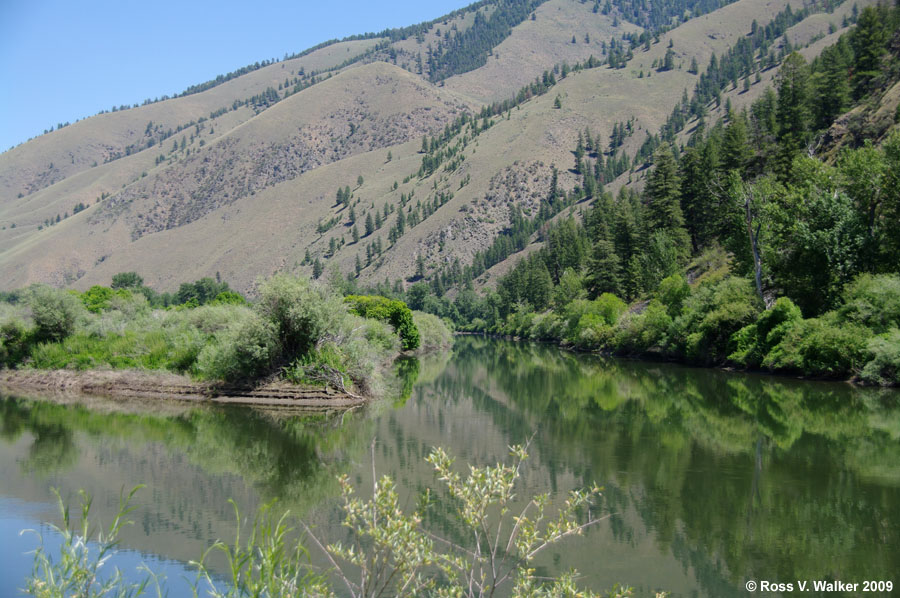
[82, 554]
[390, 552]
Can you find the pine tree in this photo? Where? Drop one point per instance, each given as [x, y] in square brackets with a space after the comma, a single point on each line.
[604, 265]
[736, 152]
[370, 224]
[420, 267]
[792, 113]
[662, 196]
[317, 269]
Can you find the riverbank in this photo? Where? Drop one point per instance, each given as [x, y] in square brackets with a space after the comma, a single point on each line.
[564, 345]
[161, 385]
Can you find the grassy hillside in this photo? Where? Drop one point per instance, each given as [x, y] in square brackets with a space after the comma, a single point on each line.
[252, 190]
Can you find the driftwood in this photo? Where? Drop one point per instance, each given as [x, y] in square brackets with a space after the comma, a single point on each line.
[328, 375]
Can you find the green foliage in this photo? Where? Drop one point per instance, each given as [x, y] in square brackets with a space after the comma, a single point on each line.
[433, 332]
[55, 312]
[821, 347]
[15, 337]
[883, 366]
[247, 350]
[711, 315]
[127, 280]
[752, 343]
[302, 312]
[229, 298]
[201, 291]
[672, 292]
[387, 310]
[97, 298]
[873, 301]
[646, 332]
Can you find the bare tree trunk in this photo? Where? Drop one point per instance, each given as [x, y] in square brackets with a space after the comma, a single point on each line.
[754, 242]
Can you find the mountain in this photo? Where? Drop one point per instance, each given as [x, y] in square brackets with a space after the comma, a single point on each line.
[240, 176]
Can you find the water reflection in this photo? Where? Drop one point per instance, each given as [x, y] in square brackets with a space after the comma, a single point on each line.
[711, 478]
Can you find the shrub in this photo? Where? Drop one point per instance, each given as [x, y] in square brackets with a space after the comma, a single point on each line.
[14, 342]
[55, 312]
[433, 332]
[229, 298]
[873, 301]
[752, 343]
[883, 367]
[592, 332]
[645, 332]
[672, 292]
[96, 298]
[821, 347]
[607, 307]
[303, 313]
[388, 310]
[244, 351]
[610, 308]
[711, 315]
[547, 326]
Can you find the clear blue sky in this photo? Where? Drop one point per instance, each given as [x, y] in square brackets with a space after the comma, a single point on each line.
[61, 60]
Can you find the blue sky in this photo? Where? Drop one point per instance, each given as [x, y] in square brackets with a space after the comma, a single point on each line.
[64, 60]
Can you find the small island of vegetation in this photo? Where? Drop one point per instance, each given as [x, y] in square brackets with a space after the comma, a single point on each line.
[296, 331]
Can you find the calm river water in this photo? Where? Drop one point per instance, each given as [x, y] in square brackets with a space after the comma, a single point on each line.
[711, 479]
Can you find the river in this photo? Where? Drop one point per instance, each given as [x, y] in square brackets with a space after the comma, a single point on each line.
[710, 479]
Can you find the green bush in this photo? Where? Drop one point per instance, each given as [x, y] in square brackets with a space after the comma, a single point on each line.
[821, 347]
[97, 298]
[433, 332]
[645, 332]
[303, 313]
[672, 292]
[711, 315]
[593, 332]
[388, 310]
[883, 367]
[55, 312]
[547, 326]
[752, 343]
[607, 307]
[245, 351]
[14, 342]
[873, 301]
[610, 308]
[229, 298]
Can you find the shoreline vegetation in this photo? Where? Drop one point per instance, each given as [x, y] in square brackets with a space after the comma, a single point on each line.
[298, 343]
[762, 241]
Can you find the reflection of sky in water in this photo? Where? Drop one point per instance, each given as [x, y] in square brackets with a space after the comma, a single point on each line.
[16, 557]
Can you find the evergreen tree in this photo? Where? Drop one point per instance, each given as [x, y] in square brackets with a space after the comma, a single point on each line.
[317, 269]
[662, 196]
[736, 152]
[792, 114]
[420, 267]
[868, 40]
[370, 224]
